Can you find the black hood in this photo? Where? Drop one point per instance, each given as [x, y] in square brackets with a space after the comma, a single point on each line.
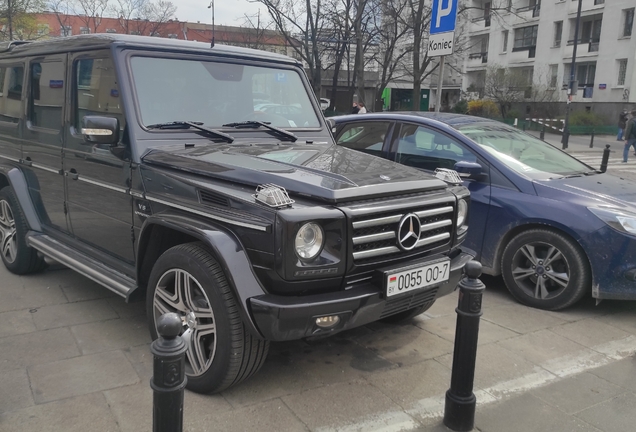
[331, 173]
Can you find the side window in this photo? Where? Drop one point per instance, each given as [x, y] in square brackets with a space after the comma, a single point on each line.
[367, 137]
[46, 100]
[96, 91]
[11, 79]
[425, 148]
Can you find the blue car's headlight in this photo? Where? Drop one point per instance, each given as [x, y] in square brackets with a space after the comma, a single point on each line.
[618, 219]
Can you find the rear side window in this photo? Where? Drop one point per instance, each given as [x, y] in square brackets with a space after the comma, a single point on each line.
[11, 79]
[46, 101]
[367, 137]
[96, 90]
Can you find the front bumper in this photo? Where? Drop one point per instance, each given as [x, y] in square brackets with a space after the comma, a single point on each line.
[281, 318]
[612, 258]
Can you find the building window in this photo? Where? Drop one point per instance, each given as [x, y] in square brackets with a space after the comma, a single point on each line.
[622, 72]
[111, 31]
[599, 2]
[135, 32]
[525, 38]
[172, 36]
[85, 30]
[558, 33]
[66, 31]
[628, 22]
[504, 41]
[554, 74]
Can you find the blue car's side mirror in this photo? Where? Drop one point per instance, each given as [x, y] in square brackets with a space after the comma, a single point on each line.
[468, 170]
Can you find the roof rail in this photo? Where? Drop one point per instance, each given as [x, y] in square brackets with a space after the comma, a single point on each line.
[8, 46]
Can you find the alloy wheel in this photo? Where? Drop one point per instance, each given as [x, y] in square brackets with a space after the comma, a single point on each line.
[8, 239]
[179, 292]
[541, 270]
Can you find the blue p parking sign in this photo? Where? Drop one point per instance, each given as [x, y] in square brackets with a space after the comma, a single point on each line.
[444, 16]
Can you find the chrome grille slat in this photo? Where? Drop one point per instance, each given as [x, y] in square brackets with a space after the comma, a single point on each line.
[375, 222]
[433, 239]
[434, 212]
[435, 225]
[375, 252]
[374, 237]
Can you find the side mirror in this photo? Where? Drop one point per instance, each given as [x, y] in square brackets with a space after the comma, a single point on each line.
[331, 125]
[469, 170]
[101, 130]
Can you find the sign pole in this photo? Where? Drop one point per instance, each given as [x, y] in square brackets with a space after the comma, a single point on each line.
[440, 82]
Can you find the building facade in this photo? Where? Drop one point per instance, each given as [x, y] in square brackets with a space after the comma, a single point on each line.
[535, 39]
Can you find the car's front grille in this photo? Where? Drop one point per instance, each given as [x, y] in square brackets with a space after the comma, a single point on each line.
[407, 301]
[377, 234]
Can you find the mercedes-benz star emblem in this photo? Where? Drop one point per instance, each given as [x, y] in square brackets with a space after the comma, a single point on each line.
[409, 231]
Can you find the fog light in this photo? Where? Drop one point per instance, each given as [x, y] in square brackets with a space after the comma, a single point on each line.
[327, 321]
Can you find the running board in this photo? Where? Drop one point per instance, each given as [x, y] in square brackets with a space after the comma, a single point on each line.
[115, 281]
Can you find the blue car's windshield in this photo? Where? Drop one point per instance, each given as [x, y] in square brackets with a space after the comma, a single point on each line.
[522, 152]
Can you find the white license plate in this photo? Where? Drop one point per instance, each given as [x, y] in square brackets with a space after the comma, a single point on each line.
[416, 278]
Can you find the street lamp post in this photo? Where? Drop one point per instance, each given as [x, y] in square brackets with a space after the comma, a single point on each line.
[573, 85]
[211, 6]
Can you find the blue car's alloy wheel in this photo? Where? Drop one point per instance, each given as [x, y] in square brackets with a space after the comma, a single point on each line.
[545, 269]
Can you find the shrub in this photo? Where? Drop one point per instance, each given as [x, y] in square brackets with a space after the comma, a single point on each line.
[483, 108]
[585, 118]
[460, 107]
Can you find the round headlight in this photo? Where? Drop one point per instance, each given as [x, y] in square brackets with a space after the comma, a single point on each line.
[309, 241]
[462, 212]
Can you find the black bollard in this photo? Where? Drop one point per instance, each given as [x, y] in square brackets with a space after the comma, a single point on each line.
[592, 140]
[168, 379]
[565, 139]
[606, 154]
[542, 134]
[459, 410]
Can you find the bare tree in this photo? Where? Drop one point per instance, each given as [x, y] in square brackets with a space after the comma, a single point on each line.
[256, 36]
[506, 86]
[301, 24]
[144, 17]
[14, 15]
[90, 12]
[391, 33]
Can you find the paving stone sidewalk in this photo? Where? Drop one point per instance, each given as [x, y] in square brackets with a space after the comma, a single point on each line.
[73, 357]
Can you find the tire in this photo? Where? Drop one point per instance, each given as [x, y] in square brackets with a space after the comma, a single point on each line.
[221, 351]
[407, 315]
[17, 257]
[546, 270]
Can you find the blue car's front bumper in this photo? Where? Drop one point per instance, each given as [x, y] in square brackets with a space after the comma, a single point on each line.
[612, 258]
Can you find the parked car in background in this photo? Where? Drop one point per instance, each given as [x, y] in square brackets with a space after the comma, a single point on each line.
[555, 228]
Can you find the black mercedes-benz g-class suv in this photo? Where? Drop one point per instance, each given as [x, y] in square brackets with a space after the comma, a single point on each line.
[206, 179]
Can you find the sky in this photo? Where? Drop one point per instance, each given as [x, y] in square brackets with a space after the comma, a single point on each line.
[227, 12]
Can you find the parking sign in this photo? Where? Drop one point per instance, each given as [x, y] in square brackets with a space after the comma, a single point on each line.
[444, 16]
[442, 29]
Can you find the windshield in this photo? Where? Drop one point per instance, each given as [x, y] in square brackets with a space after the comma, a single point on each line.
[524, 153]
[216, 93]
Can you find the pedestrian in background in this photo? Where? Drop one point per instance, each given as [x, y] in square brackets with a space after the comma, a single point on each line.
[355, 108]
[363, 110]
[630, 135]
[622, 123]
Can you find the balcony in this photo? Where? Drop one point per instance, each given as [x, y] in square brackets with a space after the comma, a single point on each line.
[477, 59]
[529, 11]
[585, 48]
[479, 24]
[522, 55]
[587, 5]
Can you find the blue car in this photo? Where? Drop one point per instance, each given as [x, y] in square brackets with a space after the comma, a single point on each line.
[555, 228]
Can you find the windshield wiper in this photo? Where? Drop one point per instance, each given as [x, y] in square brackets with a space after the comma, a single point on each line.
[195, 125]
[257, 124]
